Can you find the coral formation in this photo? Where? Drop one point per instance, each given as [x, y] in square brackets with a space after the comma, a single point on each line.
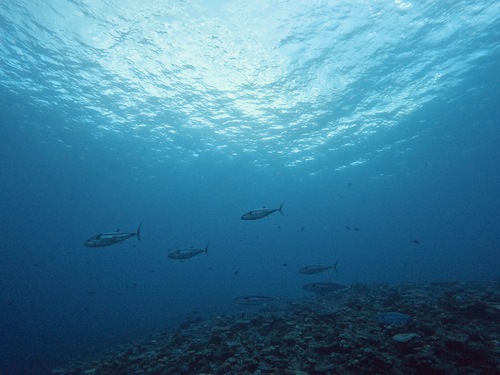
[454, 329]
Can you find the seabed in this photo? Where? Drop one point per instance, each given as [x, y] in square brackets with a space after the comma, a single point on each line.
[452, 328]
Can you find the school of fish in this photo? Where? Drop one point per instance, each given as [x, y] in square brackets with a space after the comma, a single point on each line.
[112, 238]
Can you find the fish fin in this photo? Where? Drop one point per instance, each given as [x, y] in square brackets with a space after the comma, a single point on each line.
[335, 265]
[281, 209]
[139, 232]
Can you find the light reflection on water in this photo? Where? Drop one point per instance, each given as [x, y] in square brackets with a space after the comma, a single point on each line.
[283, 80]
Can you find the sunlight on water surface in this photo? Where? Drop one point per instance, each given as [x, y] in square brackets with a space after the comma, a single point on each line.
[288, 80]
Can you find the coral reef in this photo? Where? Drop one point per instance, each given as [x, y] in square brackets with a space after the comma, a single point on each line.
[454, 329]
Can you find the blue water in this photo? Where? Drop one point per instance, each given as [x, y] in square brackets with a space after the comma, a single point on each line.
[377, 123]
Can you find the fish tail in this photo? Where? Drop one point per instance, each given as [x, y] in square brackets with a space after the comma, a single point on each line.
[138, 234]
[281, 209]
[206, 248]
[335, 265]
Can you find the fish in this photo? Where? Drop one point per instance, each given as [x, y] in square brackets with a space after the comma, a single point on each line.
[187, 253]
[261, 212]
[392, 318]
[317, 268]
[111, 238]
[253, 300]
[324, 287]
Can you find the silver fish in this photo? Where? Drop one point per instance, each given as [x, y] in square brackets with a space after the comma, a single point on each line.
[261, 212]
[317, 268]
[107, 239]
[187, 253]
[324, 287]
[253, 300]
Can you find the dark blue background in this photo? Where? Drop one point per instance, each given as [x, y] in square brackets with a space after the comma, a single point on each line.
[434, 178]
